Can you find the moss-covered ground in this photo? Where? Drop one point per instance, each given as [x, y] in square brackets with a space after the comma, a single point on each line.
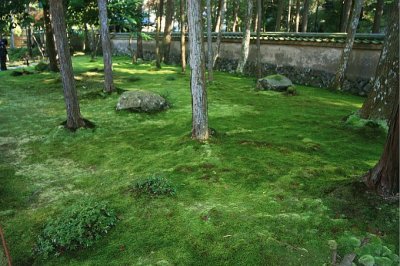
[278, 180]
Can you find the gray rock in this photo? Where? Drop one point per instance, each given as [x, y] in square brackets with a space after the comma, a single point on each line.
[141, 101]
[274, 82]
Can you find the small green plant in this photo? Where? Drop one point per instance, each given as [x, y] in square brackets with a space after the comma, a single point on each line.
[154, 186]
[42, 66]
[354, 120]
[291, 90]
[78, 226]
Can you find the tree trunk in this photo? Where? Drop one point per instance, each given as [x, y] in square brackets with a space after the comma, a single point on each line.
[183, 37]
[289, 17]
[259, 9]
[279, 16]
[246, 39]
[210, 55]
[297, 23]
[12, 37]
[74, 119]
[382, 96]
[29, 36]
[377, 17]
[235, 16]
[106, 45]
[139, 40]
[218, 22]
[219, 36]
[255, 20]
[316, 18]
[384, 177]
[304, 22]
[50, 46]
[159, 19]
[86, 38]
[340, 73]
[168, 30]
[197, 65]
[346, 9]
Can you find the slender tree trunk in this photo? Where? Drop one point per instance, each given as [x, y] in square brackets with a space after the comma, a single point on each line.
[12, 39]
[106, 45]
[74, 119]
[279, 16]
[29, 36]
[306, 8]
[168, 30]
[183, 37]
[218, 22]
[377, 17]
[255, 20]
[50, 46]
[246, 39]
[341, 71]
[210, 55]
[197, 65]
[159, 19]
[235, 16]
[289, 17]
[259, 9]
[346, 9]
[219, 36]
[86, 38]
[297, 23]
[384, 177]
[139, 40]
[316, 18]
[382, 97]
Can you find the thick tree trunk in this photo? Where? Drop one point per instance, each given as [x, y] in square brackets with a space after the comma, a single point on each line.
[235, 16]
[259, 9]
[246, 39]
[210, 55]
[159, 19]
[346, 9]
[289, 16]
[219, 36]
[50, 46]
[183, 37]
[106, 45]
[382, 96]
[297, 22]
[304, 22]
[197, 65]
[377, 17]
[279, 16]
[168, 30]
[74, 119]
[344, 60]
[139, 39]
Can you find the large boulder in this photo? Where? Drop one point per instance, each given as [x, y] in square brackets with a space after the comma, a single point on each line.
[141, 101]
[274, 82]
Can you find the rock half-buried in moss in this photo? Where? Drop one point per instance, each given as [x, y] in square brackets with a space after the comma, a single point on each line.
[274, 82]
[141, 101]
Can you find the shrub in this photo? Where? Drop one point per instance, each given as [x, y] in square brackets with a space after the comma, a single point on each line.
[154, 186]
[42, 66]
[78, 226]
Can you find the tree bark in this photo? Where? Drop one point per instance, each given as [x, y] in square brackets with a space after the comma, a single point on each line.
[219, 36]
[259, 9]
[210, 55]
[316, 17]
[159, 19]
[106, 45]
[86, 38]
[168, 30]
[218, 22]
[382, 96]
[304, 22]
[74, 119]
[344, 60]
[197, 65]
[279, 16]
[289, 17]
[235, 16]
[139, 39]
[246, 39]
[183, 37]
[297, 23]
[50, 46]
[346, 9]
[377, 17]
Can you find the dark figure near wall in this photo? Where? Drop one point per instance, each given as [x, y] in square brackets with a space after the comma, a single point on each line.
[3, 55]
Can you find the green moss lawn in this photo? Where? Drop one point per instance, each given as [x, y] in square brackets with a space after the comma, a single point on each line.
[277, 181]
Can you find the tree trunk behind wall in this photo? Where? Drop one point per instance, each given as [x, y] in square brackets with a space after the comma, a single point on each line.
[159, 19]
[219, 36]
[297, 22]
[197, 65]
[246, 39]
[218, 22]
[259, 10]
[235, 16]
[50, 46]
[168, 30]
[337, 83]
[210, 55]
[279, 15]
[304, 16]
[378, 16]
[289, 17]
[346, 9]
[183, 37]
[106, 45]
[139, 40]
[74, 119]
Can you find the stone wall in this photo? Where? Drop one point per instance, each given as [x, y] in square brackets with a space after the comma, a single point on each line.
[304, 63]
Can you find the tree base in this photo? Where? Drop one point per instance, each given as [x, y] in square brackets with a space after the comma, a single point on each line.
[83, 123]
